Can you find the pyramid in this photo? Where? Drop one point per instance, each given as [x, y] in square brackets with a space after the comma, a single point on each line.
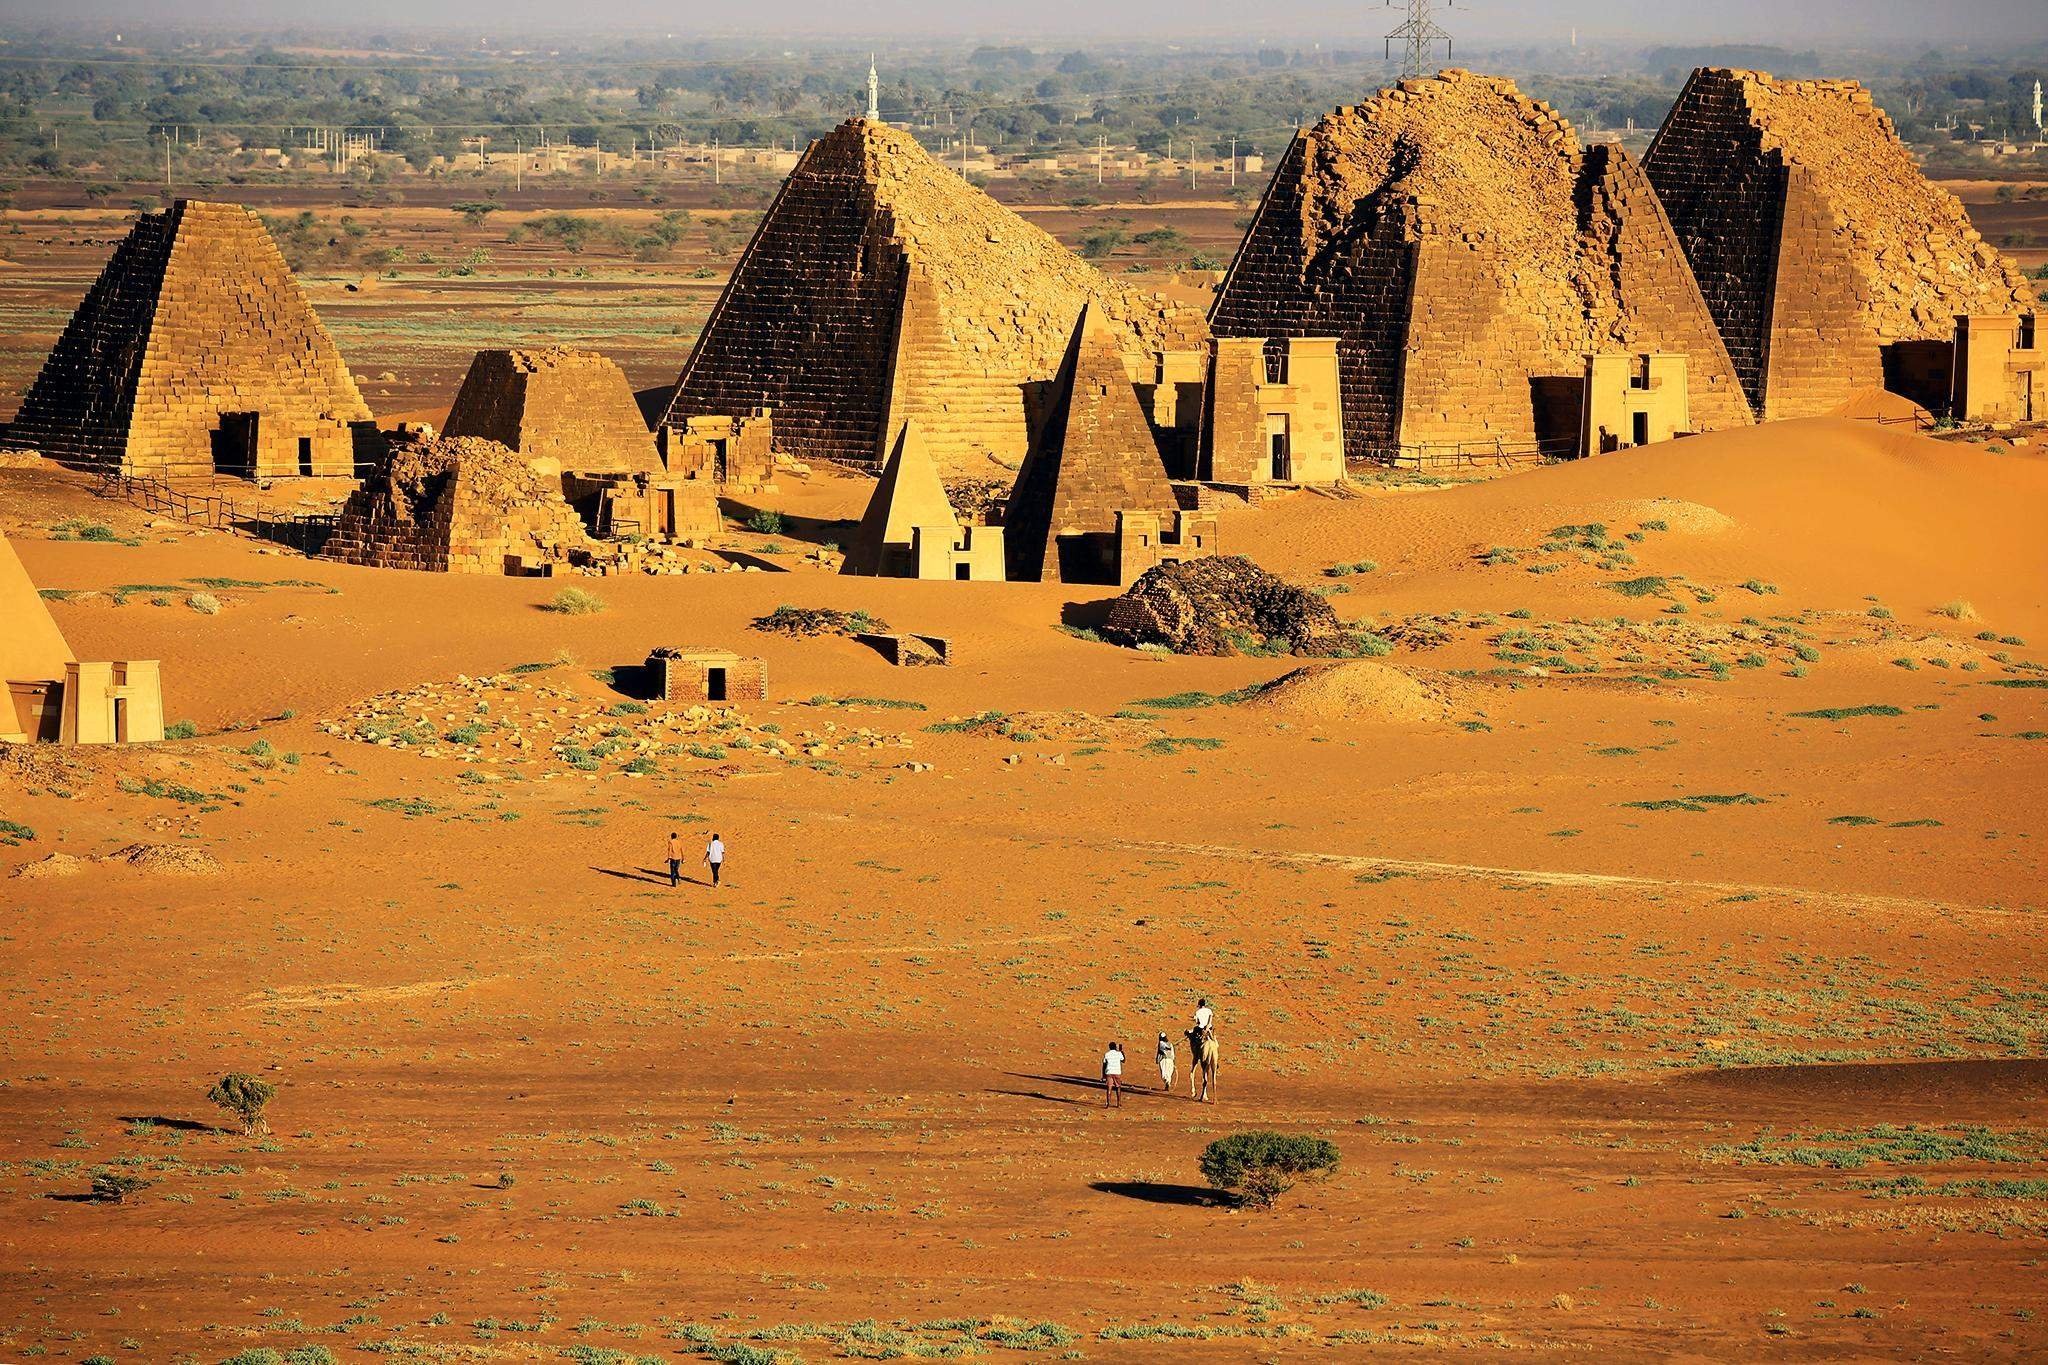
[457, 504]
[32, 649]
[1816, 240]
[571, 406]
[1094, 456]
[195, 318]
[879, 287]
[908, 497]
[1468, 254]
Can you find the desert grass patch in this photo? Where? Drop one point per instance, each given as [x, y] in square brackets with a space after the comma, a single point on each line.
[575, 602]
[1847, 712]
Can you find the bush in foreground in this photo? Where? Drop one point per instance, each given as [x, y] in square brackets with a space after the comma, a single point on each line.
[245, 1097]
[576, 602]
[1260, 1166]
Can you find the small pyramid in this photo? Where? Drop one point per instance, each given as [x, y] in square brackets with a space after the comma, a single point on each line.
[1094, 457]
[556, 404]
[195, 318]
[881, 286]
[908, 497]
[32, 649]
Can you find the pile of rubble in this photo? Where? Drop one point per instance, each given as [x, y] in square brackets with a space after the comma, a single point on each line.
[807, 622]
[524, 719]
[460, 504]
[1222, 605]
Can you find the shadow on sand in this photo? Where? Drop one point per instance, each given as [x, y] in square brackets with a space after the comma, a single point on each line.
[1153, 1192]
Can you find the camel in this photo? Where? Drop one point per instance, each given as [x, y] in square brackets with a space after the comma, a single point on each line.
[1202, 1054]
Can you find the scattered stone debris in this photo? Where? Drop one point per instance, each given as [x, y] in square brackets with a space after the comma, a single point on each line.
[166, 860]
[1224, 605]
[56, 865]
[526, 720]
[804, 622]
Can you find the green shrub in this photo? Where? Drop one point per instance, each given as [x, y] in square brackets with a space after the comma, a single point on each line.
[111, 1187]
[1957, 610]
[245, 1097]
[1260, 1166]
[576, 602]
[768, 522]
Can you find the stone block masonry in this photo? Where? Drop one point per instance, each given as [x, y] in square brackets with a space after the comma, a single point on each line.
[1466, 252]
[1817, 242]
[882, 287]
[458, 505]
[195, 350]
[574, 407]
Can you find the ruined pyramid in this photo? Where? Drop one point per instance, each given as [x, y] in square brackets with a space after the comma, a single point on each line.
[881, 286]
[1093, 457]
[457, 504]
[193, 350]
[553, 403]
[1817, 241]
[908, 497]
[1468, 253]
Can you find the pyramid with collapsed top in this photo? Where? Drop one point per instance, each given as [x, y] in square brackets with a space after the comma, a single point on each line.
[1824, 252]
[1094, 457]
[880, 286]
[1468, 254]
[553, 403]
[194, 351]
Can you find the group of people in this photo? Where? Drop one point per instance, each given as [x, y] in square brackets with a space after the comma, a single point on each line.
[714, 858]
[1201, 1036]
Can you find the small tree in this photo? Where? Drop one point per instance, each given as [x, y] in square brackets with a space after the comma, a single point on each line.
[111, 1187]
[1259, 1167]
[245, 1098]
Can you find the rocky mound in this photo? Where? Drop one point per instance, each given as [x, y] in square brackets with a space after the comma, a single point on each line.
[455, 504]
[805, 622]
[1221, 605]
[165, 860]
[1359, 689]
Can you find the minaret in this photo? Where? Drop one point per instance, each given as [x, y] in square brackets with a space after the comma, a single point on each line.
[874, 90]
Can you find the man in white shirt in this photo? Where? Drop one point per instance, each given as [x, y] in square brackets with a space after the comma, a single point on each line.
[1113, 1076]
[1204, 1016]
[714, 854]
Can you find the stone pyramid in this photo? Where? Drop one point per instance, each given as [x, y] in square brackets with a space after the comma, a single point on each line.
[32, 649]
[1816, 239]
[1468, 253]
[1093, 457]
[552, 403]
[195, 316]
[908, 496]
[881, 286]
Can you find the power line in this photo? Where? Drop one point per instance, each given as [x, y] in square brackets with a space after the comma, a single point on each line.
[1419, 35]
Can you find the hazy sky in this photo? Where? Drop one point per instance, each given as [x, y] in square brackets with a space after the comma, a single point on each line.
[1478, 22]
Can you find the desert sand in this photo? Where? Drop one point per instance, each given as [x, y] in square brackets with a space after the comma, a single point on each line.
[1656, 930]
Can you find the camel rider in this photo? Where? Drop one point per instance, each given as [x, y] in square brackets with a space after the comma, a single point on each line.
[1205, 1024]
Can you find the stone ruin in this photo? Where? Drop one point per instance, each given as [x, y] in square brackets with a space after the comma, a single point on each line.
[1468, 254]
[910, 529]
[1272, 412]
[51, 694]
[195, 351]
[736, 453]
[879, 287]
[1824, 253]
[695, 674]
[1222, 605]
[1093, 461]
[573, 407]
[460, 504]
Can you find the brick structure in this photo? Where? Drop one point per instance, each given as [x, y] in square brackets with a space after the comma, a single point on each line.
[700, 675]
[1145, 540]
[1467, 253]
[459, 505]
[879, 287]
[1633, 400]
[49, 694]
[910, 529]
[736, 453]
[1093, 458]
[1273, 414]
[1822, 250]
[574, 407]
[2001, 369]
[195, 351]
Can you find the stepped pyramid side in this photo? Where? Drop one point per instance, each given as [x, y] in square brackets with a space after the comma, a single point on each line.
[1814, 236]
[77, 409]
[907, 496]
[572, 406]
[32, 648]
[1468, 254]
[880, 287]
[1094, 457]
[196, 316]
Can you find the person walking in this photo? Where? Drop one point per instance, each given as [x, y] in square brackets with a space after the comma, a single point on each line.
[1165, 1062]
[714, 855]
[1113, 1076]
[675, 859]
